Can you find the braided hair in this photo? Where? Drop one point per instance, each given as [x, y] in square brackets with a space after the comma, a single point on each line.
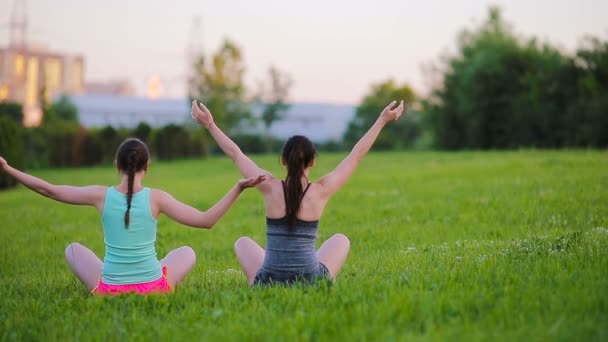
[131, 157]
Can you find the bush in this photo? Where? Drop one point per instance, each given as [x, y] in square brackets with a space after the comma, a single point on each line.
[251, 143]
[11, 149]
[36, 147]
[91, 149]
[172, 142]
[62, 147]
[198, 145]
[13, 110]
[64, 144]
[143, 132]
[331, 146]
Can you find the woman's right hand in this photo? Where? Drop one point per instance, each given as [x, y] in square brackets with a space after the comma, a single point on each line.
[201, 114]
[390, 114]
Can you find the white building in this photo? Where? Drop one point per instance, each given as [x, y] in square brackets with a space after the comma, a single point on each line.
[320, 122]
[128, 111]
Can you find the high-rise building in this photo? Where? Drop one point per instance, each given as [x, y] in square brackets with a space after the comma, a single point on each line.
[33, 75]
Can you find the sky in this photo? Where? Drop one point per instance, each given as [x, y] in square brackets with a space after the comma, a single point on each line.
[333, 49]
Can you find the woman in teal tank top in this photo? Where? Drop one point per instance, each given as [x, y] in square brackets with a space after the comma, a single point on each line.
[129, 212]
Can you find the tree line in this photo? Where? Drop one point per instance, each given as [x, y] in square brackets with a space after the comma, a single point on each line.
[501, 91]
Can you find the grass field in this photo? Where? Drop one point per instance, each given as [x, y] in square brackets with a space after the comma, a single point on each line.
[458, 246]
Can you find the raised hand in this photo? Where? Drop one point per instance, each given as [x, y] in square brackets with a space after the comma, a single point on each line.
[251, 182]
[201, 114]
[392, 113]
[3, 163]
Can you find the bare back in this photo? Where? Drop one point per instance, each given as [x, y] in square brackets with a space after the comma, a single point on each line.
[313, 203]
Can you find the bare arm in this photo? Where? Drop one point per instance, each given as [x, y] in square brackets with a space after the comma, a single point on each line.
[246, 166]
[88, 195]
[193, 217]
[334, 180]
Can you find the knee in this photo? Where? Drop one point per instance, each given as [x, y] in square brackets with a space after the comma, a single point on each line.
[342, 238]
[243, 240]
[188, 253]
[71, 249]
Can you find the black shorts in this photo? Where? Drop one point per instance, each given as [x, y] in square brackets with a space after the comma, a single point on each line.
[264, 277]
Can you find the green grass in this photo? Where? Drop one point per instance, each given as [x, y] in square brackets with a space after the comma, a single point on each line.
[465, 246]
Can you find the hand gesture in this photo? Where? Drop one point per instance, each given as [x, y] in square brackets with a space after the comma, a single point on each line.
[392, 113]
[3, 163]
[251, 182]
[201, 114]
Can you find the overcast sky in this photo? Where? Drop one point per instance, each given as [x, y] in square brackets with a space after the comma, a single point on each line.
[333, 49]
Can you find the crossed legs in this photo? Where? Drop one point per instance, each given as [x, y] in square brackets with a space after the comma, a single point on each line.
[87, 266]
[332, 254]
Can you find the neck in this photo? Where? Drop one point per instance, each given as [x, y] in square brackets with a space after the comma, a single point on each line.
[124, 182]
[304, 178]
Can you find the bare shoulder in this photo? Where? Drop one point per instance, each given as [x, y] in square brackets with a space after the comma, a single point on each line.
[270, 184]
[319, 188]
[159, 197]
[98, 191]
[98, 188]
[94, 195]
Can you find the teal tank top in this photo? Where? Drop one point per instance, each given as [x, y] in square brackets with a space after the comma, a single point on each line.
[130, 252]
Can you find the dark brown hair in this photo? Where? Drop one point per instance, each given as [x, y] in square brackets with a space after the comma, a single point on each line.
[131, 157]
[298, 153]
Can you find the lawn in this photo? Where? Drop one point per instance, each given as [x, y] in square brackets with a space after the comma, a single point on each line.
[458, 246]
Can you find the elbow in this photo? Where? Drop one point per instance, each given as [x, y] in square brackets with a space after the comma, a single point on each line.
[47, 190]
[205, 223]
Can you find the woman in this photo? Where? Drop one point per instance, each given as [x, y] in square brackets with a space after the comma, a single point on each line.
[294, 206]
[129, 212]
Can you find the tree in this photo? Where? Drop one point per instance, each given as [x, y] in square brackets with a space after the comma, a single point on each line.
[142, 132]
[400, 134]
[272, 96]
[219, 83]
[588, 114]
[502, 91]
[62, 110]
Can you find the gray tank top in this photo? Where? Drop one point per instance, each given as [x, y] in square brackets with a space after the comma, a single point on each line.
[291, 250]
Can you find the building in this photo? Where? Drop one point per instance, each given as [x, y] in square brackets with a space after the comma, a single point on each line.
[116, 87]
[320, 122]
[128, 111]
[30, 75]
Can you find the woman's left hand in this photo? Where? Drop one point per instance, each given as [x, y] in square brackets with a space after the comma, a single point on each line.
[201, 114]
[3, 163]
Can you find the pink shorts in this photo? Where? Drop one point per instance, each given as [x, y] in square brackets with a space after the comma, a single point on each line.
[161, 285]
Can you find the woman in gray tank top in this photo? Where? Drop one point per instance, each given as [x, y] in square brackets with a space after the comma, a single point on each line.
[294, 206]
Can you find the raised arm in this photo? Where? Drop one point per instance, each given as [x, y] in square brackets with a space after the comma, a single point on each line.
[88, 195]
[192, 217]
[334, 180]
[246, 166]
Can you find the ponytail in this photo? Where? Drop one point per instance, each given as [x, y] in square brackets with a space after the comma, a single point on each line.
[298, 153]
